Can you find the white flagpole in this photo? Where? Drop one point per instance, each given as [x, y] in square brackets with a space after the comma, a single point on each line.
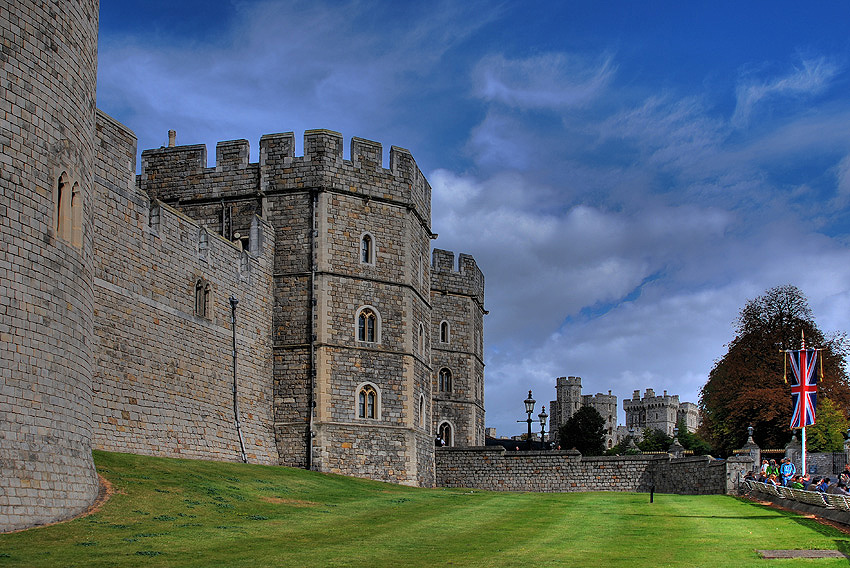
[804, 451]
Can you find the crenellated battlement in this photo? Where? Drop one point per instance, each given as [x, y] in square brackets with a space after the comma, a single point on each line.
[467, 279]
[651, 400]
[231, 155]
[180, 173]
[564, 382]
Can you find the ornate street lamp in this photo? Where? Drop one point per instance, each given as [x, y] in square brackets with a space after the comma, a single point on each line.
[529, 409]
[632, 445]
[543, 416]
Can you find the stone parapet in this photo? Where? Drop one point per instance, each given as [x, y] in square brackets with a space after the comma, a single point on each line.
[181, 174]
[466, 280]
[495, 469]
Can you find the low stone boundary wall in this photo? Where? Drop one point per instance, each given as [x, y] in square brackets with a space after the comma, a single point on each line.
[833, 507]
[495, 469]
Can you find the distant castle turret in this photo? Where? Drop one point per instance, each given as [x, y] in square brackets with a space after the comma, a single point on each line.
[570, 399]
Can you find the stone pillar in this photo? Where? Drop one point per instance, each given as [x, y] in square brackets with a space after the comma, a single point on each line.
[736, 466]
[847, 447]
[752, 449]
[676, 449]
[794, 452]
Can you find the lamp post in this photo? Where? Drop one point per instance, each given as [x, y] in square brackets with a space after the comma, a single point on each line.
[529, 409]
[543, 416]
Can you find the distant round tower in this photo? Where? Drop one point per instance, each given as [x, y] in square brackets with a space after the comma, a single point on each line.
[49, 65]
[569, 395]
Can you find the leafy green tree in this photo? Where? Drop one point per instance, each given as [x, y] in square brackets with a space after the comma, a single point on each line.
[655, 441]
[623, 448]
[691, 441]
[827, 434]
[746, 387]
[584, 431]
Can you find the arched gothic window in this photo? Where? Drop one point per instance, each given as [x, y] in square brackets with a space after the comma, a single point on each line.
[444, 332]
[76, 216]
[203, 244]
[63, 206]
[421, 342]
[368, 326]
[367, 402]
[445, 380]
[202, 297]
[421, 410]
[445, 433]
[367, 249]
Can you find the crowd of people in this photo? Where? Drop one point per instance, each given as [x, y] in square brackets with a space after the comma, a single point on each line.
[785, 474]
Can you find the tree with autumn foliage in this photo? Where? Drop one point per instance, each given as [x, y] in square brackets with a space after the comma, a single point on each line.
[827, 434]
[746, 386]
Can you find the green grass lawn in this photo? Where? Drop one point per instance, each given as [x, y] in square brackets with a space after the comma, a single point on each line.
[168, 512]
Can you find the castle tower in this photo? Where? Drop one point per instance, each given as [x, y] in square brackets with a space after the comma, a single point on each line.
[457, 360]
[351, 375]
[567, 401]
[606, 406]
[658, 412]
[48, 87]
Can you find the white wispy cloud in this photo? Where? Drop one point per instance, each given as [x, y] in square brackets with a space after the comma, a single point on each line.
[809, 77]
[551, 80]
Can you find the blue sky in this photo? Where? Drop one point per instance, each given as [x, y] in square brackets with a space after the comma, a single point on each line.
[627, 174]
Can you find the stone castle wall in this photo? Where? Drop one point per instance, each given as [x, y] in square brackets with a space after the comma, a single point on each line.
[457, 298]
[163, 374]
[495, 469]
[47, 96]
[321, 205]
[116, 333]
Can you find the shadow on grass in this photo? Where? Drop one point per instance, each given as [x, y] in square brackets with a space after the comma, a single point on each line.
[800, 519]
[656, 515]
[843, 546]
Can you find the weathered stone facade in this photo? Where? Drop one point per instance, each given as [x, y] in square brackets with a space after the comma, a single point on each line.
[48, 54]
[457, 297]
[495, 469]
[116, 322]
[323, 209]
[163, 365]
[659, 413]
[569, 399]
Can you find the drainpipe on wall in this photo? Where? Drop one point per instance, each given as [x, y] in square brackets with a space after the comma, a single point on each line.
[311, 402]
[233, 302]
[223, 220]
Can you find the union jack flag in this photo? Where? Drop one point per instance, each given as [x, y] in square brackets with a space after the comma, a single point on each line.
[804, 386]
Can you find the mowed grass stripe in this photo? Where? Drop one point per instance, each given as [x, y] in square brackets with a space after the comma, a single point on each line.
[192, 513]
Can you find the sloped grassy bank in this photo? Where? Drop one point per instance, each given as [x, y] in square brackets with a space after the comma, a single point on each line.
[169, 512]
